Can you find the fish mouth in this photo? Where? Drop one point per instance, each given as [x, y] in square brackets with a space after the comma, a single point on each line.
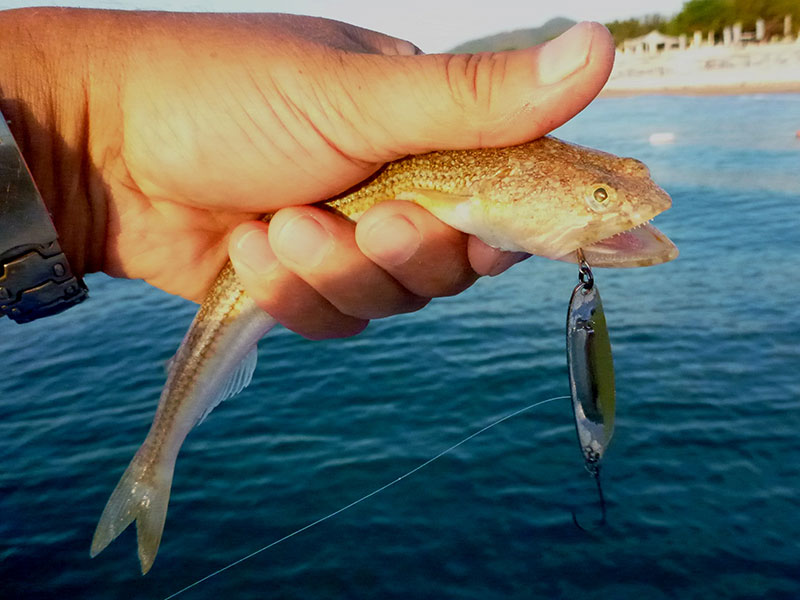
[642, 246]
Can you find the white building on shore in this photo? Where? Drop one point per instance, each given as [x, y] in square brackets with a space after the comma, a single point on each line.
[652, 42]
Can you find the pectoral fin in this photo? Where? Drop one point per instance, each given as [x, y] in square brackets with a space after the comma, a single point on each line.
[470, 214]
[443, 205]
[453, 209]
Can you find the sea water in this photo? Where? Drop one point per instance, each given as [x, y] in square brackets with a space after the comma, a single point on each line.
[701, 480]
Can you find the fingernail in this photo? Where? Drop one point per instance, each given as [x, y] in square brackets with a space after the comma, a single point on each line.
[566, 54]
[393, 240]
[254, 251]
[506, 261]
[304, 241]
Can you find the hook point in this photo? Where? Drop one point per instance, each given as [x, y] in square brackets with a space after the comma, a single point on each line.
[595, 472]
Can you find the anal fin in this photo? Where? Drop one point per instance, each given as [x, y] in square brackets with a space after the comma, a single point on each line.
[239, 379]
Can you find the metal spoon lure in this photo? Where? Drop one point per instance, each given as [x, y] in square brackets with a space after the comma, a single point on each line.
[591, 374]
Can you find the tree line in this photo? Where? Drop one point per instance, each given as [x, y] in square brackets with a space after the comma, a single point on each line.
[711, 15]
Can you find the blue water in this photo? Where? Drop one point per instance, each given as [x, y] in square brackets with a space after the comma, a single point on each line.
[701, 480]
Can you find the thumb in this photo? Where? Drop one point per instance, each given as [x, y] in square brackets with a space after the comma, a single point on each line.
[446, 101]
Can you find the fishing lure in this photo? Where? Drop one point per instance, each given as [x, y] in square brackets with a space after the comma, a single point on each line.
[591, 374]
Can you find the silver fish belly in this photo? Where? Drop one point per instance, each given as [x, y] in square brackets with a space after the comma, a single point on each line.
[200, 377]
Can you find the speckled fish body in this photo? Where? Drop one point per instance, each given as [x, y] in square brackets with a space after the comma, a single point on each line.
[546, 197]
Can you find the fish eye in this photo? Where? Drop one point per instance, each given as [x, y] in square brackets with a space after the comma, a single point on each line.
[600, 197]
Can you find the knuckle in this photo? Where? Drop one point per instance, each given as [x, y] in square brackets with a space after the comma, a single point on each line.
[471, 79]
[439, 279]
[450, 284]
[343, 327]
[380, 304]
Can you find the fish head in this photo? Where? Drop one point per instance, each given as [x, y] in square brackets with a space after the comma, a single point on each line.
[552, 197]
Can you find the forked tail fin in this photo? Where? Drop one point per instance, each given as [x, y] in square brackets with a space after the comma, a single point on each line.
[142, 494]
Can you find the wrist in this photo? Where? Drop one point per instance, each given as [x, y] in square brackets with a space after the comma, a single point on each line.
[44, 98]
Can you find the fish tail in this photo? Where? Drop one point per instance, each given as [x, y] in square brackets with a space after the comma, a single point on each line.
[141, 495]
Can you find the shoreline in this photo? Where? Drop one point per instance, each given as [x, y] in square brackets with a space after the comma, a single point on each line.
[689, 89]
[707, 70]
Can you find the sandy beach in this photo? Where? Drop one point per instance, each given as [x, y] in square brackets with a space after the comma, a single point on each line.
[763, 68]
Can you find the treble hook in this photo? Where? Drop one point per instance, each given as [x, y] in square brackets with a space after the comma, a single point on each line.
[594, 471]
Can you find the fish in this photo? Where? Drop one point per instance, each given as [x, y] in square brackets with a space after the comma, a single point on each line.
[546, 197]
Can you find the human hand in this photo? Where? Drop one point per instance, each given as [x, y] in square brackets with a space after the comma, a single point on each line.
[166, 134]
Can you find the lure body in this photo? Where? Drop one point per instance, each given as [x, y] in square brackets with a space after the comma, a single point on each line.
[591, 370]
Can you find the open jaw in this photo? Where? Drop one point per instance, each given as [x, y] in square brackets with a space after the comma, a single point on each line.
[641, 246]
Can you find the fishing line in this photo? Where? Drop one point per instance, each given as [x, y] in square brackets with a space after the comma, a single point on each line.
[366, 497]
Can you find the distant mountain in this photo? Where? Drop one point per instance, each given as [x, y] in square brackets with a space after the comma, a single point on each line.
[519, 38]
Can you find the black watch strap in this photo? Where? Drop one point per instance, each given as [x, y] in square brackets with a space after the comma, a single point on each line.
[35, 277]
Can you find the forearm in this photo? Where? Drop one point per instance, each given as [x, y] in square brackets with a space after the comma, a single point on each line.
[44, 79]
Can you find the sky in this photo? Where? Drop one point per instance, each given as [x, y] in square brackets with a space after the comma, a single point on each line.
[433, 25]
